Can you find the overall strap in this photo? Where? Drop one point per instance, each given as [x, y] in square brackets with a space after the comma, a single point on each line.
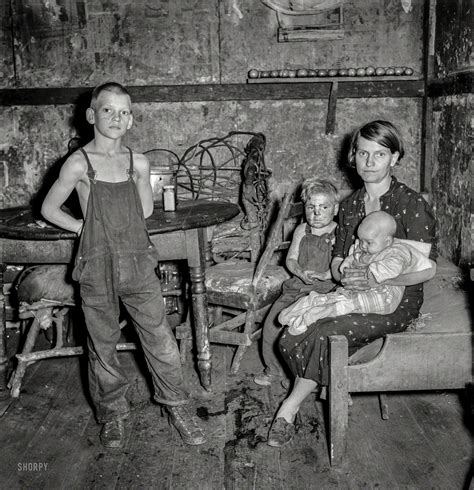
[130, 170]
[91, 173]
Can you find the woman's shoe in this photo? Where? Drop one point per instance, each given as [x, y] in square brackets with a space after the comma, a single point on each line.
[281, 432]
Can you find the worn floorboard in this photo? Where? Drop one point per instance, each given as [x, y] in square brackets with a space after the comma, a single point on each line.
[425, 443]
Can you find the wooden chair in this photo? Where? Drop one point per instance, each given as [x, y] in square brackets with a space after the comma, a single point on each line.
[433, 354]
[245, 290]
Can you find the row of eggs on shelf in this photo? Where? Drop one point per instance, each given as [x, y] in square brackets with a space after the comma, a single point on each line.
[333, 72]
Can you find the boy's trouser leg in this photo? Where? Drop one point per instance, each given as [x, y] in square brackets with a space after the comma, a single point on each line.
[144, 303]
[108, 383]
[270, 333]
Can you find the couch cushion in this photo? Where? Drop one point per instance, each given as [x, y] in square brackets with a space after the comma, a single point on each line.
[446, 305]
[445, 308]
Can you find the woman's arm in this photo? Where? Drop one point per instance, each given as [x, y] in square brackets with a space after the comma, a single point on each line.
[413, 278]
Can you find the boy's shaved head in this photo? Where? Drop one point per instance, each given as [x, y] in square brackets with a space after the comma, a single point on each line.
[113, 87]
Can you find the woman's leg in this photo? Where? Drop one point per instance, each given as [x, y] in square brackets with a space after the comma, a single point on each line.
[283, 427]
[291, 405]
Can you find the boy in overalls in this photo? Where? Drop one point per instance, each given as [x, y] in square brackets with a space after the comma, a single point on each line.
[116, 259]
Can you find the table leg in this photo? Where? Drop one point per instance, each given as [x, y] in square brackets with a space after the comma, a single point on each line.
[196, 246]
[3, 335]
[201, 323]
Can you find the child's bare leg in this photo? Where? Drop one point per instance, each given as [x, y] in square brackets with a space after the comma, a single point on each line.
[291, 405]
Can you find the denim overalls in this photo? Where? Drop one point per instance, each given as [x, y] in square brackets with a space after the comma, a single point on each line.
[116, 259]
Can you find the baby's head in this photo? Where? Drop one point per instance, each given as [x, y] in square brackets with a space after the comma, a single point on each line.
[376, 232]
[321, 202]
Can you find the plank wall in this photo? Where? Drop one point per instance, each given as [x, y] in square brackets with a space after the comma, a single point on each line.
[452, 136]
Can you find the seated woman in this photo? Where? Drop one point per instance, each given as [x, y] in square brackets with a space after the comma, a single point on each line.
[374, 150]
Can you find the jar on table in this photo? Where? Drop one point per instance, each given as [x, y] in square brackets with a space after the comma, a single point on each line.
[169, 198]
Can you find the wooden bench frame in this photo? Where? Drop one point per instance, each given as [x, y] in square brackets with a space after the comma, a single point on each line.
[406, 361]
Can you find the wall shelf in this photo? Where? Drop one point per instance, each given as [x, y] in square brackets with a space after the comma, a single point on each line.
[258, 89]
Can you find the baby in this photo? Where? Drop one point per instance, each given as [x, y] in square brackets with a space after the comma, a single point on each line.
[382, 257]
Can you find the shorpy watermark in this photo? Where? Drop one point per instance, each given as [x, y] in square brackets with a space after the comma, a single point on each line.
[32, 466]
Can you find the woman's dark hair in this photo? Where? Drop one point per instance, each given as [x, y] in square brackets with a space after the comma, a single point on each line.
[382, 132]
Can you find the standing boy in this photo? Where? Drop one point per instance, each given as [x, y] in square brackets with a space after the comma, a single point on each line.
[116, 260]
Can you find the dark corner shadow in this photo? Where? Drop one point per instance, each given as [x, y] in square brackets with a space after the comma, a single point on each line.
[84, 133]
[343, 165]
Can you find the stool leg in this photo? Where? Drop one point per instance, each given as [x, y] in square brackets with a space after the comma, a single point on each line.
[17, 376]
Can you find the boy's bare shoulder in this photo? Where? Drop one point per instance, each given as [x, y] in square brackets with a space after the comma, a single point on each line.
[300, 229]
[140, 158]
[75, 164]
[141, 163]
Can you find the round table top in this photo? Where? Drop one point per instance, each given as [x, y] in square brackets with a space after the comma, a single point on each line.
[22, 223]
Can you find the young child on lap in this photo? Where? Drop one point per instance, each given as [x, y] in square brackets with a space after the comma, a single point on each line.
[382, 257]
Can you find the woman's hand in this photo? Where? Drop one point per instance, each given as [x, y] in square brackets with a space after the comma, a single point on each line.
[318, 276]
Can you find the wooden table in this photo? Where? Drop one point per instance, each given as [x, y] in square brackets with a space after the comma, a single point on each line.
[180, 234]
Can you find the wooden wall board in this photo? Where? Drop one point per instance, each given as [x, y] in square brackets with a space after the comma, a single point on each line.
[451, 174]
[453, 37]
[281, 89]
[7, 63]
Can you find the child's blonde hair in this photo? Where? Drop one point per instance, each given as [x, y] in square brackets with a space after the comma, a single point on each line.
[313, 186]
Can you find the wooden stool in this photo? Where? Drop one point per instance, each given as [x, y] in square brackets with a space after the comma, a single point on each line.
[46, 297]
[46, 314]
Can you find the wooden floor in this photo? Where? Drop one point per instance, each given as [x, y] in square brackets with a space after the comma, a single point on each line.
[49, 438]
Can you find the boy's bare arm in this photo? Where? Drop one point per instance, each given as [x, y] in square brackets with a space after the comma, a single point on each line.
[71, 173]
[142, 167]
[293, 254]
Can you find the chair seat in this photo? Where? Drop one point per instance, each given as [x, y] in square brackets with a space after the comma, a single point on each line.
[228, 284]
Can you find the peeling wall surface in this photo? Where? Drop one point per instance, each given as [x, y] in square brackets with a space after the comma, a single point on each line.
[138, 42]
[376, 33]
[453, 46]
[453, 141]
[35, 139]
[453, 134]
[76, 43]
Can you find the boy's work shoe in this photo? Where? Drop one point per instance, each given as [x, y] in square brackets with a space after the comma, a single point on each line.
[185, 424]
[281, 432]
[112, 433]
